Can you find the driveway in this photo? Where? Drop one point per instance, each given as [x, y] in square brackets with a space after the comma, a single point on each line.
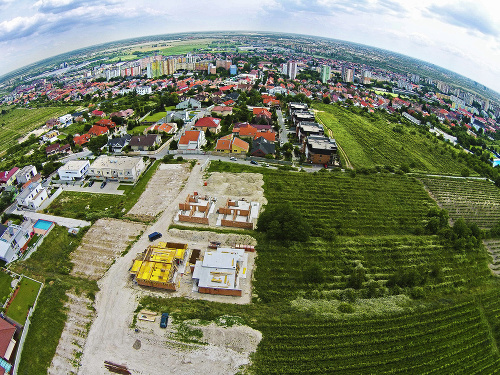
[59, 220]
[110, 188]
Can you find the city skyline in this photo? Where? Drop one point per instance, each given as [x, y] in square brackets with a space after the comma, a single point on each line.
[463, 37]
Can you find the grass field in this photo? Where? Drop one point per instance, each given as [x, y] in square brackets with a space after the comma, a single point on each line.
[88, 206]
[476, 201]
[20, 121]
[138, 130]
[158, 116]
[50, 263]
[182, 49]
[370, 141]
[24, 300]
[5, 288]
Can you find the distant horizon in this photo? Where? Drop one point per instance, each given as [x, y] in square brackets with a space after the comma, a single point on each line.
[462, 37]
[100, 46]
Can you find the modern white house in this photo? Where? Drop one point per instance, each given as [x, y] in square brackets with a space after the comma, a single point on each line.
[121, 168]
[50, 136]
[74, 170]
[65, 120]
[25, 174]
[12, 240]
[32, 196]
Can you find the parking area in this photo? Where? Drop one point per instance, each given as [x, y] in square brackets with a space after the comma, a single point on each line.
[111, 187]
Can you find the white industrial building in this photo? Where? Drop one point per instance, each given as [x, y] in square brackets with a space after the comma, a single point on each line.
[74, 170]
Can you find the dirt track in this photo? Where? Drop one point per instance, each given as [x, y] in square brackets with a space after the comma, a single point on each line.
[111, 339]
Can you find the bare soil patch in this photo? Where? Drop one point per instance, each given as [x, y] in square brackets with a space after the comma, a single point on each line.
[162, 188]
[104, 241]
[235, 185]
[70, 348]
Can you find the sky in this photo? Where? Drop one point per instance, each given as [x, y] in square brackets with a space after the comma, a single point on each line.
[462, 36]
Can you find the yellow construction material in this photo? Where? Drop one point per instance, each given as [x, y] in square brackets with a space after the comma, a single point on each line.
[216, 280]
[136, 266]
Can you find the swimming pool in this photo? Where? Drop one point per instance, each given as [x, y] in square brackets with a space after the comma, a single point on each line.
[43, 224]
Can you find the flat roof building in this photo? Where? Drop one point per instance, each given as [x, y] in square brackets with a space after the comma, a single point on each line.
[220, 271]
[74, 170]
[121, 168]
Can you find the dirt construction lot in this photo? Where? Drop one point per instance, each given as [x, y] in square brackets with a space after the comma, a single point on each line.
[103, 242]
[68, 352]
[163, 187]
[111, 336]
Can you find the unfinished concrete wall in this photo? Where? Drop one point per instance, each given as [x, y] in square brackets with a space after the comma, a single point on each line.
[236, 224]
[224, 292]
[156, 284]
[191, 219]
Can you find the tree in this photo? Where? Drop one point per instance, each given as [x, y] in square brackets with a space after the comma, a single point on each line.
[173, 145]
[284, 223]
[96, 143]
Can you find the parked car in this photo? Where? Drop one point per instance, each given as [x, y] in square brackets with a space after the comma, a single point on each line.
[232, 158]
[154, 236]
[103, 184]
[91, 182]
[164, 320]
[253, 162]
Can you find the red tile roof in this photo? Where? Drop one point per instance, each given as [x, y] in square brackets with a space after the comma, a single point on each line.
[208, 122]
[189, 136]
[82, 139]
[7, 331]
[5, 176]
[98, 130]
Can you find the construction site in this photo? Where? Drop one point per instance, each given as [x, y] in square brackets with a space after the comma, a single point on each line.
[182, 263]
[159, 264]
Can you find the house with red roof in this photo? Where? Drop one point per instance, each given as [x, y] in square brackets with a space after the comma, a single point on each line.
[98, 113]
[7, 342]
[262, 113]
[7, 178]
[221, 110]
[80, 140]
[210, 123]
[232, 144]
[106, 123]
[191, 140]
[56, 148]
[97, 130]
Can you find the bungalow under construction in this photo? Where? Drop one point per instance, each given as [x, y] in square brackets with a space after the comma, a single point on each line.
[158, 265]
[239, 214]
[196, 209]
[220, 271]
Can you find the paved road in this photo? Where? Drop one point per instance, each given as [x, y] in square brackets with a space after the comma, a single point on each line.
[283, 136]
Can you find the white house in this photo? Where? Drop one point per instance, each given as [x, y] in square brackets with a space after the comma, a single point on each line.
[65, 120]
[74, 170]
[26, 174]
[12, 240]
[143, 90]
[32, 196]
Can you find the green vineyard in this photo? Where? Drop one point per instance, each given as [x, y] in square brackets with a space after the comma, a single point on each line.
[372, 141]
[375, 204]
[476, 201]
[455, 339]
[18, 122]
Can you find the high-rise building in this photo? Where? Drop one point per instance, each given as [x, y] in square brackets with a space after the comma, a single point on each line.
[233, 70]
[291, 69]
[226, 64]
[326, 71]
[347, 74]
[283, 68]
[366, 76]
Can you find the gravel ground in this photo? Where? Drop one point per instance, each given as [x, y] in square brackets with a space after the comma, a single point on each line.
[111, 337]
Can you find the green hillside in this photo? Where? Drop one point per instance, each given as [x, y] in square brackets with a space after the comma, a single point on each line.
[372, 140]
[17, 122]
[369, 292]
